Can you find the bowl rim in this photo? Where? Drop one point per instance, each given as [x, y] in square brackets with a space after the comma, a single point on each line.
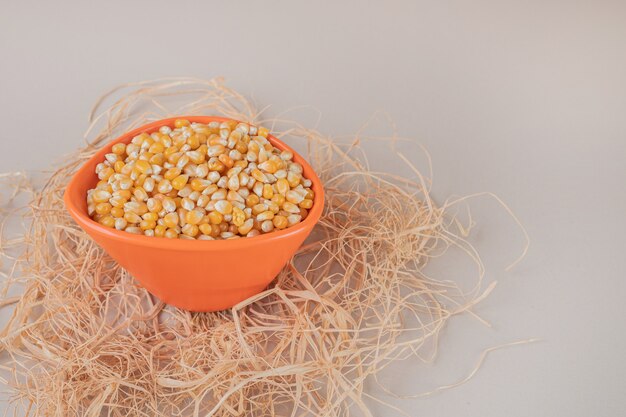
[90, 225]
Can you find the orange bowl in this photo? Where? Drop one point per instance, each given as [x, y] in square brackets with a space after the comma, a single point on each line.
[197, 275]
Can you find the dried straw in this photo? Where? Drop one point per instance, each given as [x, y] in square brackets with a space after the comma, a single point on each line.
[84, 339]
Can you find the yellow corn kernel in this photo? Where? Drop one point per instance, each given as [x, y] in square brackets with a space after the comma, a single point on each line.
[203, 200]
[136, 207]
[291, 208]
[216, 150]
[233, 183]
[241, 147]
[268, 191]
[143, 166]
[282, 186]
[169, 204]
[196, 157]
[263, 131]
[147, 224]
[171, 234]
[279, 199]
[293, 179]
[193, 141]
[170, 220]
[159, 230]
[266, 215]
[106, 173]
[117, 212]
[258, 209]
[150, 216]
[267, 226]
[303, 213]
[306, 203]
[294, 196]
[180, 181]
[194, 217]
[154, 205]
[178, 123]
[183, 161]
[103, 208]
[245, 227]
[140, 194]
[216, 165]
[234, 196]
[104, 185]
[164, 187]
[190, 230]
[171, 173]
[125, 194]
[269, 166]
[258, 175]
[101, 196]
[205, 229]
[252, 200]
[131, 217]
[242, 163]
[280, 222]
[118, 201]
[119, 149]
[198, 184]
[239, 217]
[215, 217]
[125, 183]
[273, 207]
[224, 206]
[120, 223]
[293, 219]
[226, 160]
[157, 159]
[107, 221]
[156, 147]
[118, 166]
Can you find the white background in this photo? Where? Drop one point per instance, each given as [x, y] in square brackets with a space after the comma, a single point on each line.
[526, 99]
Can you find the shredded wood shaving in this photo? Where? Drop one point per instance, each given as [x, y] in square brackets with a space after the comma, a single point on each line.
[83, 338]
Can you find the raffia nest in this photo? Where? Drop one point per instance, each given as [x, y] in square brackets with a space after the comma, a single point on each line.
[83, 338]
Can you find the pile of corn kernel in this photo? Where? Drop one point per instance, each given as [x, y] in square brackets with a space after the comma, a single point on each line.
[200, 181]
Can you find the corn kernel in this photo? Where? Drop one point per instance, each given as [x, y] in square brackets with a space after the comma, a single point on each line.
[268, 191]
[280, 222]
[263, 132]
[223, 207]
[215, 217]
[103, 208]
[131, 217]
[107, 221]
[150, 216]
[147, 224]
[119, 148]
[170, 220]
[239, 217]
[200, 181]
[190, 230]
[101, 196]
[306, 203]
[179, 182]
[265, 215]
[252, 200]
[291, 208]
[171, 234]
[178, 123]
[194, 216]
[117, 212]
